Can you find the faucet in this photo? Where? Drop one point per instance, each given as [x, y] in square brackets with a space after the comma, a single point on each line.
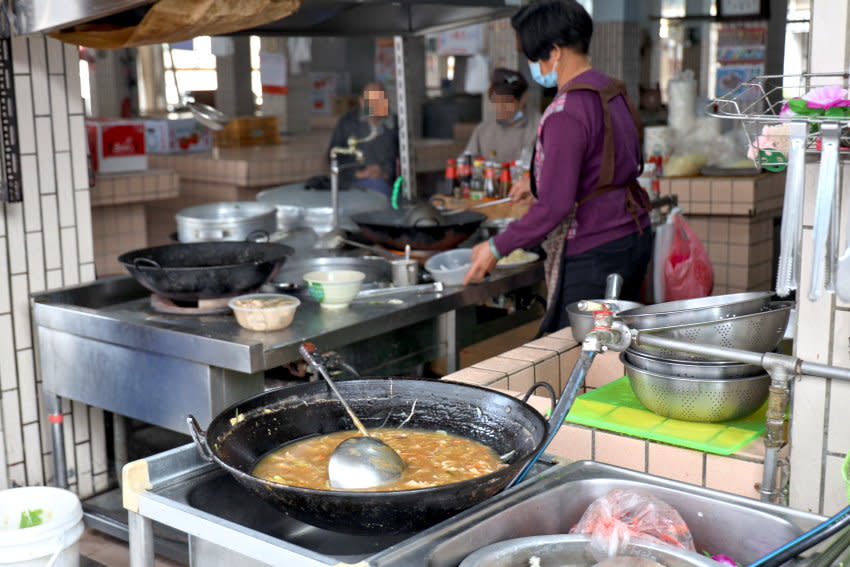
[334, 238]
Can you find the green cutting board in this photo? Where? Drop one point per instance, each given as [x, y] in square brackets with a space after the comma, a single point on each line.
[614, 407]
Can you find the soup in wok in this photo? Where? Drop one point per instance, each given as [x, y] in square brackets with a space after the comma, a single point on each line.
[431, 458]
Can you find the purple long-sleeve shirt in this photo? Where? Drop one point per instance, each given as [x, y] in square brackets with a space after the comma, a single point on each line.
[567, 166]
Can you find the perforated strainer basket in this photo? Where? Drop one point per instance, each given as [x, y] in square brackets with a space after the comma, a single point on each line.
[758, 332]
[697, 399]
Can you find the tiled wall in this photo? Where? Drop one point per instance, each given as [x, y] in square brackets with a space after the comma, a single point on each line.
[45, 242]
[820, 430]
[118, 213]
[734, 219]
[551, 359]
[615, 50]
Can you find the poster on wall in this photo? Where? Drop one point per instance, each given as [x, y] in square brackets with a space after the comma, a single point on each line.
[741, 45]
[273, 73]
[323, 90]
[384, 63]
[730, 78]
[461, 41]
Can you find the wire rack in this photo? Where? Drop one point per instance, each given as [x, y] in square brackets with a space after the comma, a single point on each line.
[761, 104]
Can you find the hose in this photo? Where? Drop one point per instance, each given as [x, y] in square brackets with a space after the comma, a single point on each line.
[399, 181]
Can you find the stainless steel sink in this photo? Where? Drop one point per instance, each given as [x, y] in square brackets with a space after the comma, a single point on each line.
[742, 528]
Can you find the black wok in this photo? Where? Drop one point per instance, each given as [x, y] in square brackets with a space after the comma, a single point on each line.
[239, 436]
[390, 228]
[205, 270]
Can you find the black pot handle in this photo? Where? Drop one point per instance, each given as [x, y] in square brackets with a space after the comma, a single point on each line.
[553, 397]
[142, 262]
[257, 236]
[199, 437]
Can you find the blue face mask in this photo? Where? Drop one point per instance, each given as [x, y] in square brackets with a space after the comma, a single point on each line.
[548, 80]
[517, 117]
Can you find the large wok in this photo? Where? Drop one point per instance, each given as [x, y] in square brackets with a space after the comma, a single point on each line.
[391, 229]
[205, 270]
[240, 435]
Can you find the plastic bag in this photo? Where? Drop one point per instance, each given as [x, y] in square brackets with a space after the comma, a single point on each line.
[687, 268]
[622, 516]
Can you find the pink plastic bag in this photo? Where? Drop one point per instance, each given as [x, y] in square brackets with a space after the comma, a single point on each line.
[687, 269]
[622, 516]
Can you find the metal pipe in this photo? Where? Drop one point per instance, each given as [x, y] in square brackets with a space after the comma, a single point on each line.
[141, 540]
[119, 442]
[642, 338]
[335, 190]
[53, 405]
[824, 371]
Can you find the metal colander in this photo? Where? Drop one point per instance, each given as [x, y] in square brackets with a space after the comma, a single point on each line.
[697, 399]
[757, 332]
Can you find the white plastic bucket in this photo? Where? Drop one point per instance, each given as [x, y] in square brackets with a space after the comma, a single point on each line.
[54, 542]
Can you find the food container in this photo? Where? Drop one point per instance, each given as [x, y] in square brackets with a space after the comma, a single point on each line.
[334, 289]
[575, 551]
[230, 221]
[697, 399]
[451, 266]
[264, 311]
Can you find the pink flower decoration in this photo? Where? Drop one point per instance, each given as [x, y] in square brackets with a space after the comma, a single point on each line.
[826, 97]
[786, 111]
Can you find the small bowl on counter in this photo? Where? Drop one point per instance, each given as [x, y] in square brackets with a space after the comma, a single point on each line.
[334, 289]
[264, 311]
[450, 266]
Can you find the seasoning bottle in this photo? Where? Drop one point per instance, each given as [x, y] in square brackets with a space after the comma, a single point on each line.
[505, 180]
[477, 184]
[490, 190]
[452, 184]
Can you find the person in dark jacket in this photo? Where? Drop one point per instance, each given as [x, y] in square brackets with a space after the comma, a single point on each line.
[380, 155]
[588, 209]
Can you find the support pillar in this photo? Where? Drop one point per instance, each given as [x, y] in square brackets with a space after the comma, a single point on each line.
[234, 96]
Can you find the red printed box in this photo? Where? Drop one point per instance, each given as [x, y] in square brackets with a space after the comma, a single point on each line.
[116, 145]
[174, 136]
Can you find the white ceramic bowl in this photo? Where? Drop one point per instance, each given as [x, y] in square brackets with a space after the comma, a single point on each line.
[450, 266]
[264, 311]
[334, 289]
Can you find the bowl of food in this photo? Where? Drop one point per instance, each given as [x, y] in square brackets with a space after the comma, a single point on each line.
[334, 289]
[264, 311]
[451, 266]
[517, 259]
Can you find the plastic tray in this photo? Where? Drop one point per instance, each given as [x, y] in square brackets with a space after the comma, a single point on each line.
[614, 407]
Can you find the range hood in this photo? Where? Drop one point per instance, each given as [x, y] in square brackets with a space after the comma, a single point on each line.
[315, 17]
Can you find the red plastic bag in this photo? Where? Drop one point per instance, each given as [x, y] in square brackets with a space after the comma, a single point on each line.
[622, 516]
[687, 269]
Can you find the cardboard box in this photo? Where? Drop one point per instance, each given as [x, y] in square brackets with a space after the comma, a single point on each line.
[116, 145]
[175, 136]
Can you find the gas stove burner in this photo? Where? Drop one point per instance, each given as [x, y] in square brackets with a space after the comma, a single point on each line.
[215, 306]
[419, 255]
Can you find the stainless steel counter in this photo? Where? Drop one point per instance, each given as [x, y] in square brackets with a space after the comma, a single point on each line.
[103, 345]
[226, 525]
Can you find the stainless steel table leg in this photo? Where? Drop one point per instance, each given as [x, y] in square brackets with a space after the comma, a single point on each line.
[141, 540]
[448, 328]
[119, 441]
[53, 404]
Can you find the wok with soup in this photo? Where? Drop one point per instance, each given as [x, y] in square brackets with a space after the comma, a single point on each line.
[508, 430]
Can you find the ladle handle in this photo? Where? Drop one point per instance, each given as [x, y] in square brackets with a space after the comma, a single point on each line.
[310, 354]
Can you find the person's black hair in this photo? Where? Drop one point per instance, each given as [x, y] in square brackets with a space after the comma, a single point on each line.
[507, 82]
[543, 24]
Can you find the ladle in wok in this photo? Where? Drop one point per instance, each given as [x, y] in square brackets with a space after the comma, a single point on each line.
[357, 462]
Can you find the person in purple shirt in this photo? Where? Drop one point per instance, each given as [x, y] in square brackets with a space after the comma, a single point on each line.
[587, 207]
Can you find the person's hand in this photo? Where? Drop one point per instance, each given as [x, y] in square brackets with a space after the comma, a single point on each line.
[521, 191]
[482, 262]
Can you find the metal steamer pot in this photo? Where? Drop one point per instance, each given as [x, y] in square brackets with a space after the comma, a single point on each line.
[392, 229]
[205, 270]
[238, 221]
[242, 434]
[298, 207]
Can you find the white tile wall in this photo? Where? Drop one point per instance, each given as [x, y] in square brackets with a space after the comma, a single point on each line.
[36, 254]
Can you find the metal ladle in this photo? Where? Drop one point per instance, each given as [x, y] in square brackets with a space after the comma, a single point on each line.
[207, 115]
[357, 462]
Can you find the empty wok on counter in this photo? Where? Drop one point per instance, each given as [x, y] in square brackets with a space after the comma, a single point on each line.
[205, 270]
[239, 436]
[390, 228]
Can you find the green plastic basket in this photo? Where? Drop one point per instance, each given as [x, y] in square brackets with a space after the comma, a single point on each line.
[845, 472]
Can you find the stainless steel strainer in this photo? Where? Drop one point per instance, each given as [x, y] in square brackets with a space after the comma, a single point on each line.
[697, 399]
[758, 332]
